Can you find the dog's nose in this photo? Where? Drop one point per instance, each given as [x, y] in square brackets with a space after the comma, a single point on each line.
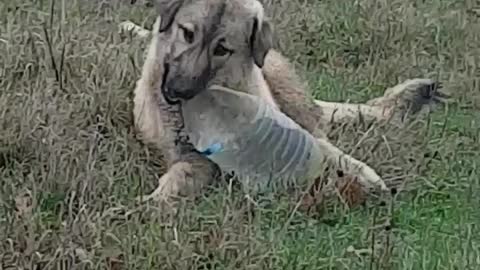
[180, 90]
[171, 93]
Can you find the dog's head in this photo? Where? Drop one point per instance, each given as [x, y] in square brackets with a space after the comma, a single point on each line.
[211, 42]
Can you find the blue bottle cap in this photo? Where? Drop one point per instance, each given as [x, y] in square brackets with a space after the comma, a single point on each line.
[212, 149]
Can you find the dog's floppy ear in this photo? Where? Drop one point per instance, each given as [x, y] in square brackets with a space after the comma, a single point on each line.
[167, 10]
[261, 40]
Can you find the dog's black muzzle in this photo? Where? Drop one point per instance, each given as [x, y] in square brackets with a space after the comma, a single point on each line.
[174, 90]
[168, 94]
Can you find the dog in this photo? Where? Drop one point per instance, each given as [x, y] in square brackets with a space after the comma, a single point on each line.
[199, 43]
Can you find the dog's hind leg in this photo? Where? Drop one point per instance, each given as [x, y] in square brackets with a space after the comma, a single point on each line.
[405, 99]
[336, 112]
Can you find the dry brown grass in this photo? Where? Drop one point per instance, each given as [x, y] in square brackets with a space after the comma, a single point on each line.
[70, 165]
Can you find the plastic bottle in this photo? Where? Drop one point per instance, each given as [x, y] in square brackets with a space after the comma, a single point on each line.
[250, 138]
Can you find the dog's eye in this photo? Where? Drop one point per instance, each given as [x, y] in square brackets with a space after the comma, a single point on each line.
[187, 34]
[220, 50]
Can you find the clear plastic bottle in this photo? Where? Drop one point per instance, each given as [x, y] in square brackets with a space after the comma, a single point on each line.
[250, 138]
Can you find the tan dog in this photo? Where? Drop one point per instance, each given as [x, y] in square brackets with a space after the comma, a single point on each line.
[199, 43]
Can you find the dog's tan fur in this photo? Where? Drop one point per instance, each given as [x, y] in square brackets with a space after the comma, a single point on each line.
[276, 81]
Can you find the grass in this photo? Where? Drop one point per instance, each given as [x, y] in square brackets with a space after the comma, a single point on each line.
[70, 165]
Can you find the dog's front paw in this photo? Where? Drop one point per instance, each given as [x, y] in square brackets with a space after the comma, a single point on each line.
[369, 178]
[177, 181]
[128, 27]
[166, 190]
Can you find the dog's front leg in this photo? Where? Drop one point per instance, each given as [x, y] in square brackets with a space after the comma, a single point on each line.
[349, 165]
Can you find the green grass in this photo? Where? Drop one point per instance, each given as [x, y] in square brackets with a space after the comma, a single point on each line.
[67, 140]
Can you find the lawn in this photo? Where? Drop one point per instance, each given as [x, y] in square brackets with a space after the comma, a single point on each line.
[71, 166]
